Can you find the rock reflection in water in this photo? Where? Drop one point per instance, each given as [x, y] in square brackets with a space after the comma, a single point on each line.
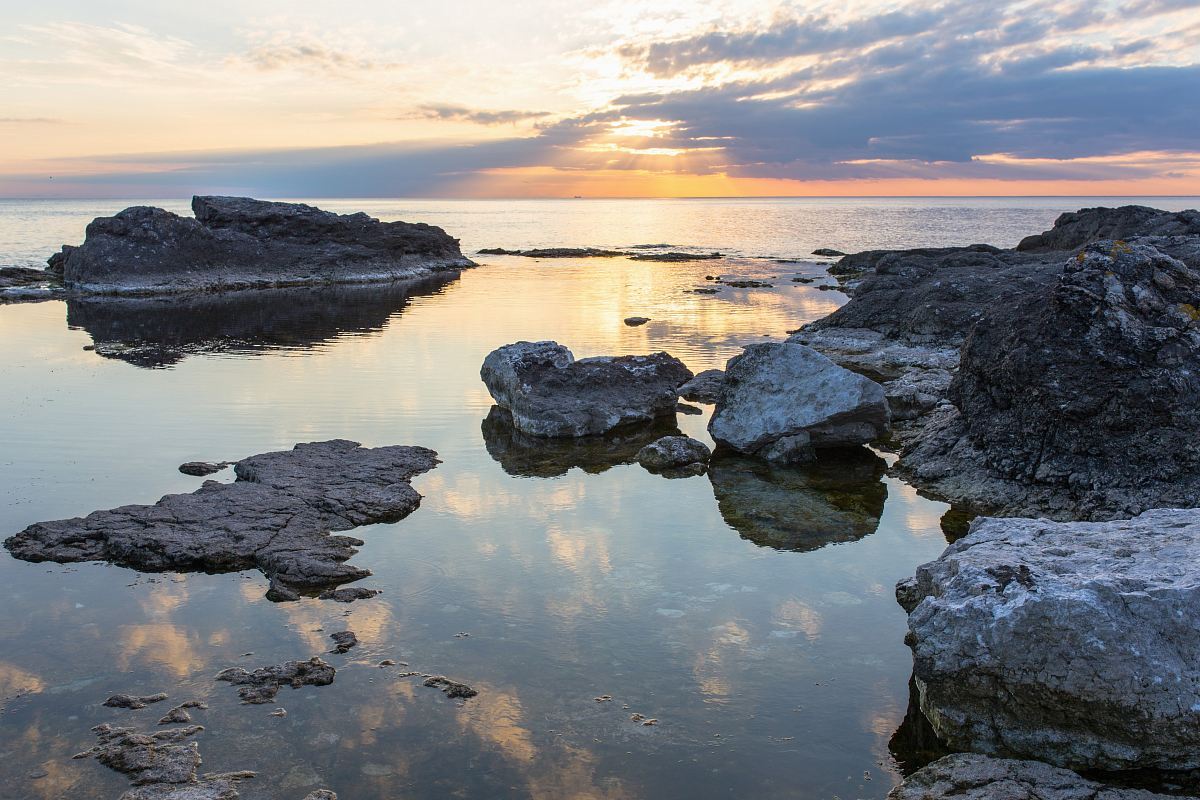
[536, 457]
[162, 331]
[915, 744]
[838, 499]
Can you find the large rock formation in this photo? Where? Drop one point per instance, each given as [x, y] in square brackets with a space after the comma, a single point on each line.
[237, 242]
[276, 517]
[550, 394]
[1073, 643]
[1089, 391]
[966, 776]
[783, 401]
[1078, 228]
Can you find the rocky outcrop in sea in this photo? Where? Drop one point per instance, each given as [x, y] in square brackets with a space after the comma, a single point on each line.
[240, 243]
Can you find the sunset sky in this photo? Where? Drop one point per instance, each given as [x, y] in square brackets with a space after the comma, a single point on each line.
[551, 98]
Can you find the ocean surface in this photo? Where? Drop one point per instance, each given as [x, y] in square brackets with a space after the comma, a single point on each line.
[749, 611]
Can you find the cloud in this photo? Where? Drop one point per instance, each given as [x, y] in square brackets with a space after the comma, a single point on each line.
[479, 117]
[31, 121]
[308, 53]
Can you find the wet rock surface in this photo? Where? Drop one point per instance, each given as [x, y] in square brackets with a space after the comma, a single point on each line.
[675, 456]
[200, 469]
[839, 498]
[550, 394]
[277, 517]
[238, 242]
[966, 776]
[343, 641]
[134, 702]
[23, 284]
[160, 331]
[784, 401]
[1070, 642]
[348, 594]
[261, 685]
[451, 688]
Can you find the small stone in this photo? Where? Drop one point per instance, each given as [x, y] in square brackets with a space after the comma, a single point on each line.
[633, 322]
[343, 641]
[134, 702]
[450, 688]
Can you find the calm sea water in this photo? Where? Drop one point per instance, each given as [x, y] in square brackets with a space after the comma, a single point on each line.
[749, 611]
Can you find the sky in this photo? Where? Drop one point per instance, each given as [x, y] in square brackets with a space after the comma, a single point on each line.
[603, 98]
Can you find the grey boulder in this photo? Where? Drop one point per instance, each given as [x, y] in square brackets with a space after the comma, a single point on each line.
[1073, 643]
[238, 242]
[675, 453]
[968, 776]
[705, 387]
[550, 394]
[782, 401]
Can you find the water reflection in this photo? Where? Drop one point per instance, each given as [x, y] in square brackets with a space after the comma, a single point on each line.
[536, 457]
[838, 499]
[915, 744]
[162, 331]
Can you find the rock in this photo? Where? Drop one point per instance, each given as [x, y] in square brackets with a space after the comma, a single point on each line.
[261, 685]
[1069, 642]
[932, 295]
[1076, 229]
[237, 242]
[1087, 391]
[803, 279]
[684, 408]
[179, 715]
[161, 766]
[523, 455]
[276, 517]
[134, 702]
[782, 401]
[675, 453]
[839, 498]
[550, 394]
[18, 277]
[201, 468]
[748, 284]
[828, 251]
[348, 594]
[452, 689]
[705, 387]
[321, 794]
[556, 252]
[633, 322]
[705, 290]
[159, 331]
[675, 257]
[966, 776]
[343, 641]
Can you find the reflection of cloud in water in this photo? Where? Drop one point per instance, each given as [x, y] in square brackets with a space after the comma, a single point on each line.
[496, 716]
[15, 681]
[793, 614]
[162, 331]
[161, 643]
[536, 457]
[838, 499]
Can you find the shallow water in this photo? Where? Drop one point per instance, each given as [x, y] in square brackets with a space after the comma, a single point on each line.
[750, 611]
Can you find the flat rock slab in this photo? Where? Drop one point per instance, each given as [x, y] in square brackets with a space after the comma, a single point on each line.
[1073, 643]
[260, 686]
[966, 776]
[276, 517]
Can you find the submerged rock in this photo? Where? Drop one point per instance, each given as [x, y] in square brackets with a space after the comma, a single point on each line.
[343, 641]
[675, 257]
[828, 252]
[161, 765]
[452, 689]
[550, 394]
[277, 517]
[133, 701]
[675, 454]
[348, 594]
[555, 252]
[705, 387]
[1069, 642]
[967, 776]
[179, 714]
[200, 469]
[261, 685]
[1087, 391]
[837, 499]
[783, 401]
[238, 242]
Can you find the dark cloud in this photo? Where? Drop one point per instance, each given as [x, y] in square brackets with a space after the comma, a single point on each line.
[479, 117]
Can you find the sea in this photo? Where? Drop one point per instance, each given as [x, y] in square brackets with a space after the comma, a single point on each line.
[749, 612]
